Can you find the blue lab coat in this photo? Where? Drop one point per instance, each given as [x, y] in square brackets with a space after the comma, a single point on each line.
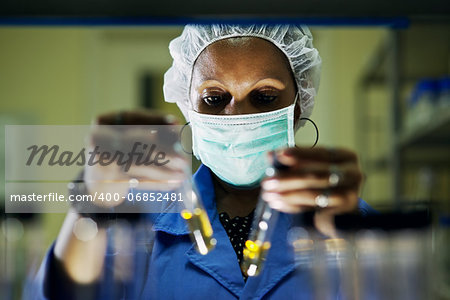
[175, 270]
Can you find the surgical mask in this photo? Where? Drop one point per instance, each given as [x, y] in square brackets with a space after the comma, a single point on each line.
[235, 147]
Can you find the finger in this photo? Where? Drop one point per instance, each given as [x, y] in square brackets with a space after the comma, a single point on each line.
[141, 155]
[324, 223]
[155, 174]
[347, 176]
[304, 168]
[303, 198]
[347, 202]
[169, 162]
[134, 140]
[307, 200]
[292, 156]
[141, 117]
[114, 177]
[286, 208]
[281, 185]
[351, 204]
[145, 184]
[124, 185]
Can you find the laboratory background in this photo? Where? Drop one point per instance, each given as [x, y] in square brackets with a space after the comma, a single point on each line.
[384, 93]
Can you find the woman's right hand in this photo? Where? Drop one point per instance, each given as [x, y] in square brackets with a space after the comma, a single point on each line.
[114, 179]
[83, 259]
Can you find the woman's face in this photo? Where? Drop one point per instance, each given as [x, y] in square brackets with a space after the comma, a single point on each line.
[242, 75]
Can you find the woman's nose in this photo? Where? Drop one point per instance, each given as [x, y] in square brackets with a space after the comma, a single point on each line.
[240, 106]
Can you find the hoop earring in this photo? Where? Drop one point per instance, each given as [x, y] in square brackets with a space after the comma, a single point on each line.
[317, 131]
[181, 132]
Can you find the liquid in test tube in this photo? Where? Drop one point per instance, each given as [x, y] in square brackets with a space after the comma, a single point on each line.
[201, 231]
[194, 213]
[258, 243]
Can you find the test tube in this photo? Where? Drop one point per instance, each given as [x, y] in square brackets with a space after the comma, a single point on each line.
[258, 243]
[194, 213]
[201, 231]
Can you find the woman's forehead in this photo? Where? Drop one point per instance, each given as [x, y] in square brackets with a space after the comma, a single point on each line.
[234, 56]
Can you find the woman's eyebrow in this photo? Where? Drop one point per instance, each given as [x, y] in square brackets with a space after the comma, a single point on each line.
[271, 82]
[210, 83]
[276, 83]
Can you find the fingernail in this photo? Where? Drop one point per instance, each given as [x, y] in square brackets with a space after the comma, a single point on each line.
[171, 119]
[176, 163]
[267, 196]
[286, 159]
[270, 184]
[276, 204]
[286, 152]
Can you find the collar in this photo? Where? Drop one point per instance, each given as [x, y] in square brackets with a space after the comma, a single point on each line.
[280, 261]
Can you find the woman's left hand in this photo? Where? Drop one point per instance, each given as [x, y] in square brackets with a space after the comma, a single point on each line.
[322, 178]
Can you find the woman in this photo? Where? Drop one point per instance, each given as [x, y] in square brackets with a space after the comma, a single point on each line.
[245, 90]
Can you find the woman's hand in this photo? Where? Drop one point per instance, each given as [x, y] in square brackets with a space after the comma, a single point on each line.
[83, 259]
[114, 178]
[319, 178]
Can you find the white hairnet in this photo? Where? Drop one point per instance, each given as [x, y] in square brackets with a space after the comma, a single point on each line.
[294, 41]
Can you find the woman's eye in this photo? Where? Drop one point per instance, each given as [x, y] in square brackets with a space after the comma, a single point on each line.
[265, 95]
[215, 99]
[212, 99]
[265, 98]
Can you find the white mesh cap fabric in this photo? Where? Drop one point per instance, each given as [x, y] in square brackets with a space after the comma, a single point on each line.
[294, 41]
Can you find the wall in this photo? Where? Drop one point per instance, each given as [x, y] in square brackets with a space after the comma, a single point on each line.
[69, 75]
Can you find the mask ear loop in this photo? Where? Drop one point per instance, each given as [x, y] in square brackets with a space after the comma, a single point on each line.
[181, 144]
[317, 131]
[295, 99]
[308, 119]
